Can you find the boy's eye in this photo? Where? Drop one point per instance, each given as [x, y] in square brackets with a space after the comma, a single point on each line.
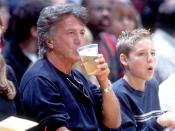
[146, 54]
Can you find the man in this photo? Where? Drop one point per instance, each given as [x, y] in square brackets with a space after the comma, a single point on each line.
[54, 94]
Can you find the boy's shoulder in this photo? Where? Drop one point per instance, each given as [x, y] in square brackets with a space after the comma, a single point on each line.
[120, 86]
[152, 83]
[118, 83]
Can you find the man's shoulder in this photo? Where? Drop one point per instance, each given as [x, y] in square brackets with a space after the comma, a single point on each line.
[40, 68]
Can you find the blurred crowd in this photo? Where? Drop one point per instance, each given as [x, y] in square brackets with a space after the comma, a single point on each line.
[107, 21]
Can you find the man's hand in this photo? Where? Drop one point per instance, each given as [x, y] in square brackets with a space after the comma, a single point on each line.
[102, 71]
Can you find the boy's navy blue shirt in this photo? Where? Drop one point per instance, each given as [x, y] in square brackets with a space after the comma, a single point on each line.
[55, 99]
[139, 109]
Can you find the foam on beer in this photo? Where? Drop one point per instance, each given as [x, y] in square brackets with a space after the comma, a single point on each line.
[88, 52]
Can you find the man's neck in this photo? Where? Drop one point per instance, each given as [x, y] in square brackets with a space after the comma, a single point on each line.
[60, 63]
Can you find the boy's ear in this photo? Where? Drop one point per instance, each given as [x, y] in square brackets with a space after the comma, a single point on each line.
[123, 59]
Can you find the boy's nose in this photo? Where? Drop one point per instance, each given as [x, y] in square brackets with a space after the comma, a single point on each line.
[150, 58]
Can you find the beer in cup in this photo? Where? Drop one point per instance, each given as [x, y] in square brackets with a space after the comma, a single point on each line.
[88, 53]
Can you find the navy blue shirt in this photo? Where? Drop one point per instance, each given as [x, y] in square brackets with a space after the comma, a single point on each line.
[55, 99]
[139, 108]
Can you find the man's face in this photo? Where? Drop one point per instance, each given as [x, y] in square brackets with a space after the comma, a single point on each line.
[99, 13]
[141, 60]
[68, 35]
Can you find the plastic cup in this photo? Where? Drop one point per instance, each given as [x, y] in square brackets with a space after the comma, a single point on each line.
[88, 53]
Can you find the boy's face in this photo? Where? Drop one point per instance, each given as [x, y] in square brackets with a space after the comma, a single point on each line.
[140, 63]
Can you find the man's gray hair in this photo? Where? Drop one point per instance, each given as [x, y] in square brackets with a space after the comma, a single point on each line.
[52, 14]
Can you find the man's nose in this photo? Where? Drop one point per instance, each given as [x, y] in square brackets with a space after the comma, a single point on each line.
[79, 39]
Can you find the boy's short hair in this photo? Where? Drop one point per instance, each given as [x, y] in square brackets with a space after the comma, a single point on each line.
[128, 39]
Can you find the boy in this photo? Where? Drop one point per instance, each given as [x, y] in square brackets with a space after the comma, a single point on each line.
[137, 91]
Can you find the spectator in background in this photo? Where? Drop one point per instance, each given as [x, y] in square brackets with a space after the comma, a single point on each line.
[8, 88]
[129, 16]
[164, 40]
[7, 93]
[21, 50]
[99, 15]
[123, 17]
[57, 96]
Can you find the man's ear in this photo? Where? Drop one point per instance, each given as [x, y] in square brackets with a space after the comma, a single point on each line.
[50, 43]
[123, 59]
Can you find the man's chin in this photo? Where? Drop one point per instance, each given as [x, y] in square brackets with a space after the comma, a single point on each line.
[76, 59]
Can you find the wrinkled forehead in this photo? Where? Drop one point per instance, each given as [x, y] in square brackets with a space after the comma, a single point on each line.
[67, 22]
[69, 19]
